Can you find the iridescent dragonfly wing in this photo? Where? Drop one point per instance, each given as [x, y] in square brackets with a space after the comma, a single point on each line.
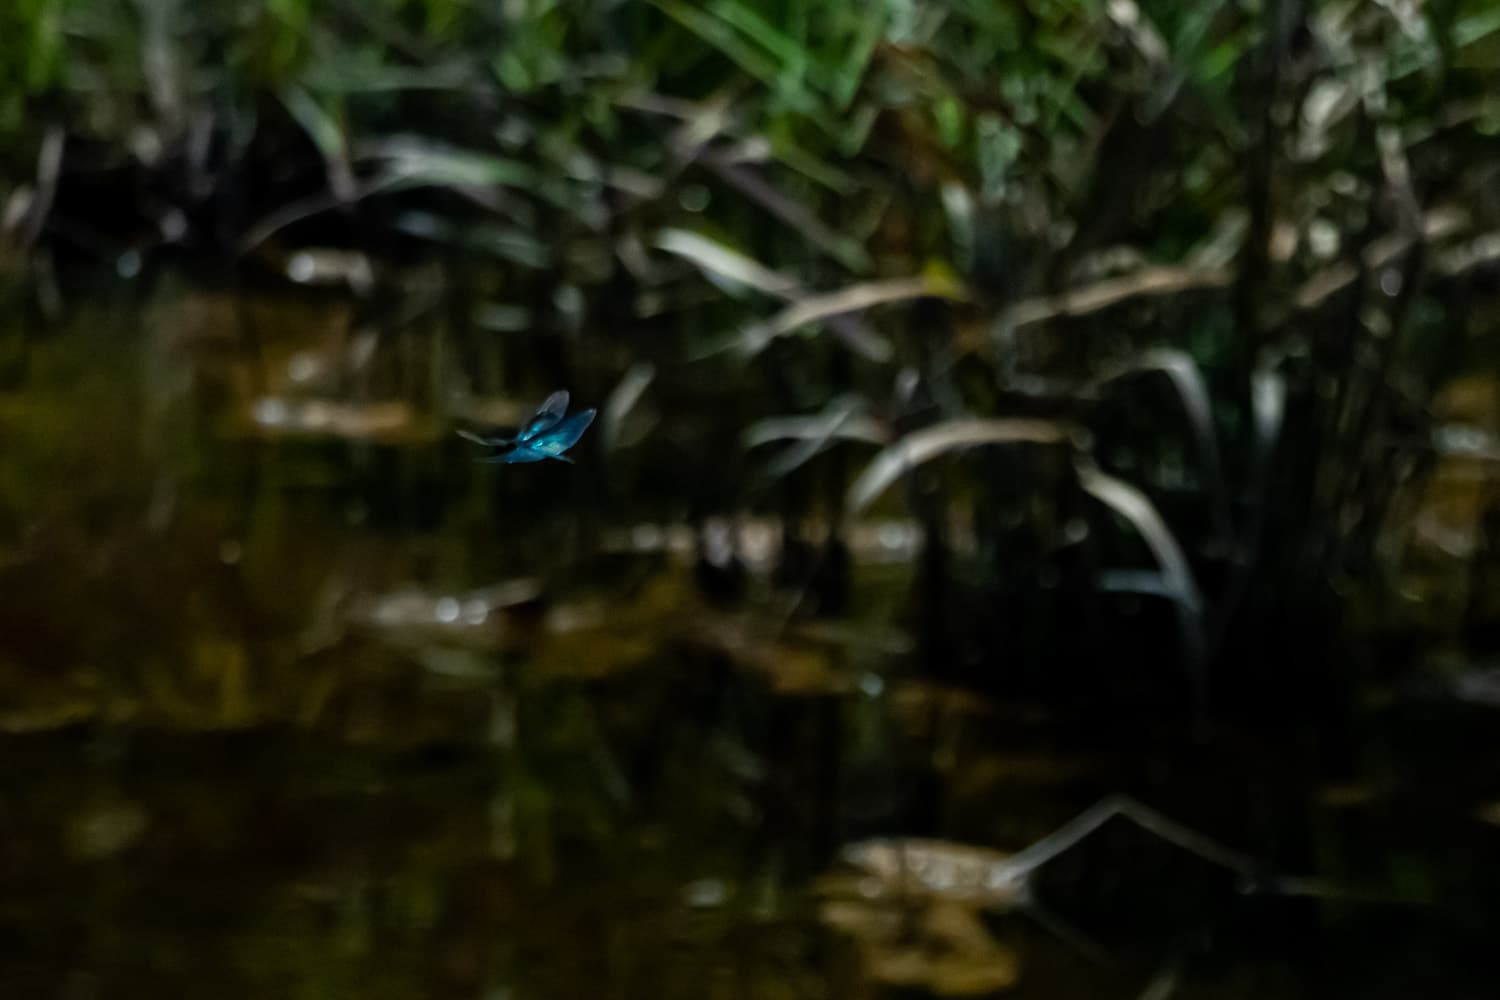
[520, 453]
[563, 436]
[547, 415]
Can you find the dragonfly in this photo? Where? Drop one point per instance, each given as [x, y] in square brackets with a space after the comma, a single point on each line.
[546, 435]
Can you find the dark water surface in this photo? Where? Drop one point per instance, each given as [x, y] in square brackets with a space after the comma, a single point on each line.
[297, 701]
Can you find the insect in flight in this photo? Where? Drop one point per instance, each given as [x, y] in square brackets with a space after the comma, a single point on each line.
[546, 435]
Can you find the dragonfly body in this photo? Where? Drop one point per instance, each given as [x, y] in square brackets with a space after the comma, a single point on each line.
[547, 434]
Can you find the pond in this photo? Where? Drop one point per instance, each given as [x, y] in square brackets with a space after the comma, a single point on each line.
[300, 701]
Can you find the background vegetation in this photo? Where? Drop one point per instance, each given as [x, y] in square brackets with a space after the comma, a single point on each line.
[1135, 359]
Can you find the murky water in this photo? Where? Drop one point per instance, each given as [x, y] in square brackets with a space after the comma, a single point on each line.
[300, 702]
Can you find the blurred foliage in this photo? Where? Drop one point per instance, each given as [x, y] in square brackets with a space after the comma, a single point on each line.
[1127, 329]
[1241, 244]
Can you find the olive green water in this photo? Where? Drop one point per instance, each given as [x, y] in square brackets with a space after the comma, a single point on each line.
[340, 714]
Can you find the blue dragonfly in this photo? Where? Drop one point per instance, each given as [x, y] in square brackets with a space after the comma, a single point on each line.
[546, 435]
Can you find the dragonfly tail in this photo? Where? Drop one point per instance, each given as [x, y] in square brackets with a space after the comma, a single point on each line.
[488, 442]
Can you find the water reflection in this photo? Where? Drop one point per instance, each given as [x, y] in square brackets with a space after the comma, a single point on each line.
[293, 707]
